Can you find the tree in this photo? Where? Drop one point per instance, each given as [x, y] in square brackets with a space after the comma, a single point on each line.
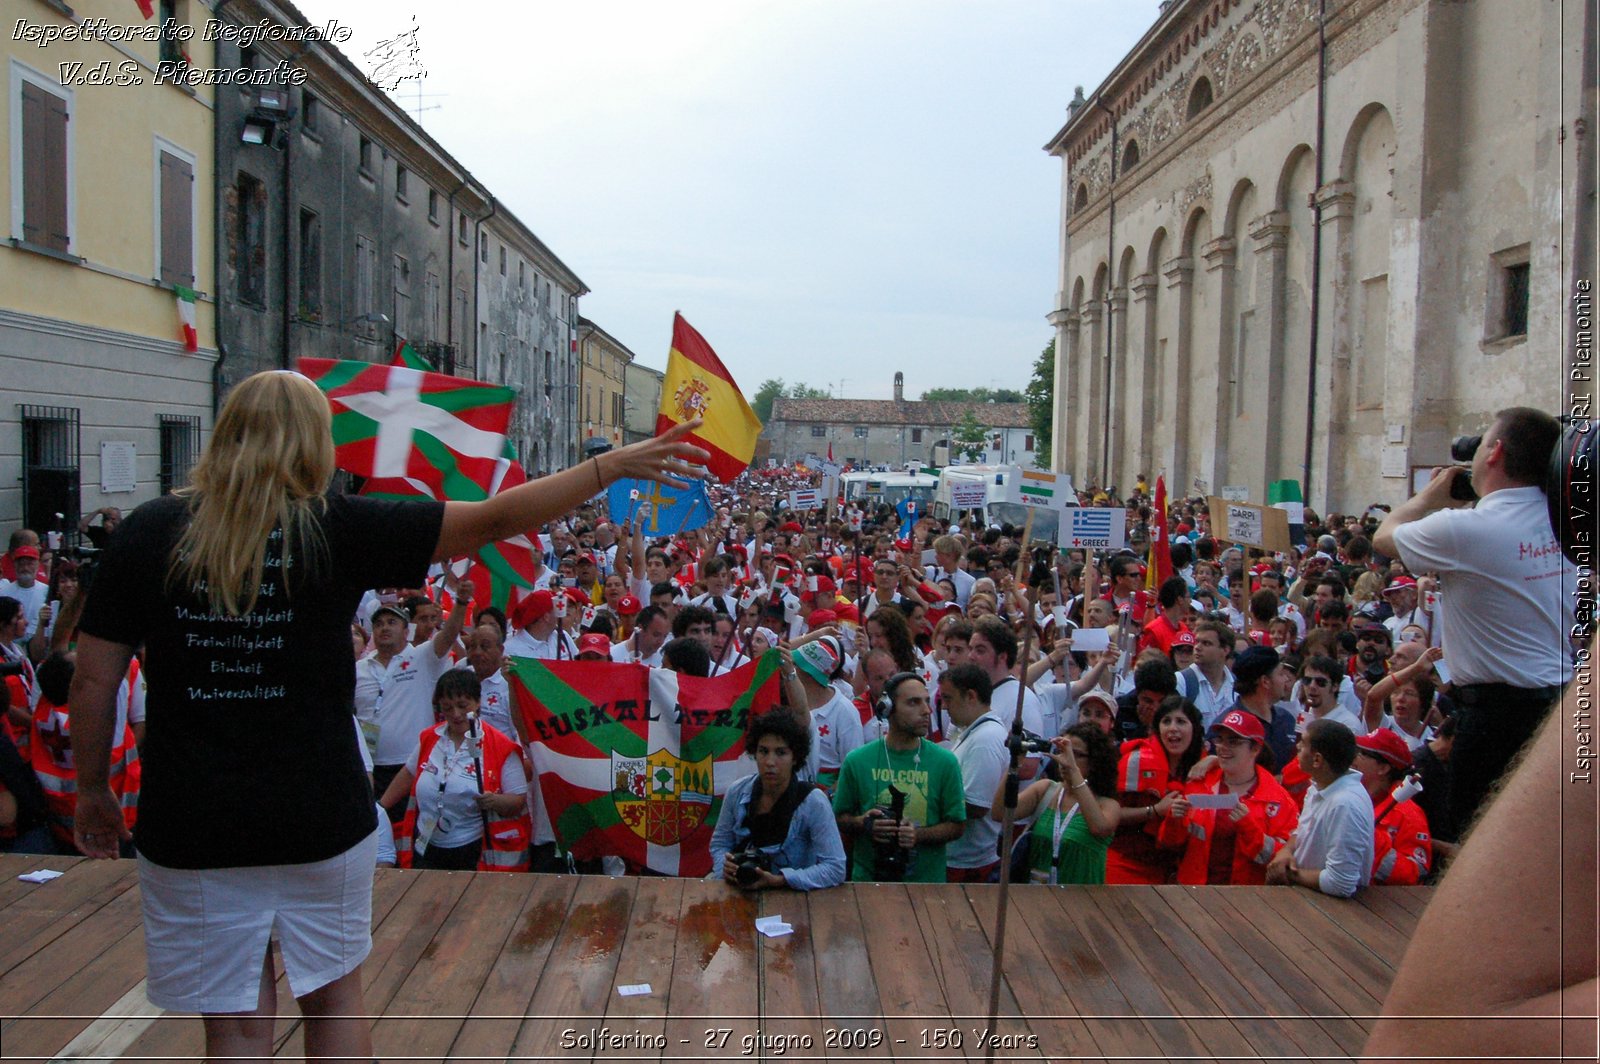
[972, 395]
[969, 439]
[1041, 397]
[774, 387]
[761, 402]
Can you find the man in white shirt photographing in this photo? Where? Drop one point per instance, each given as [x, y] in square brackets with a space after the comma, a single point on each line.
[1506, 587]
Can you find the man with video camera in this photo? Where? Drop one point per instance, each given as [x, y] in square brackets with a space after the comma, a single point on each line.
[1506, 588]
[900, 798]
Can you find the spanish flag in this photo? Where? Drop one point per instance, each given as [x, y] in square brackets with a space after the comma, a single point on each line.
[697, 384]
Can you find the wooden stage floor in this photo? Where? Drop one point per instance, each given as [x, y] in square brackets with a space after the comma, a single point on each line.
[500, 967]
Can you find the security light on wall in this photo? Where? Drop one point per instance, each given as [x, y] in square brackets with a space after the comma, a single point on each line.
[271, 110]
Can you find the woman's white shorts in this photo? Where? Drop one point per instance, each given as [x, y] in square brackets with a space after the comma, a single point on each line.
[206, 931]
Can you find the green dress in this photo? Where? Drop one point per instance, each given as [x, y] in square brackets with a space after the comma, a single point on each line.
[1082, 855]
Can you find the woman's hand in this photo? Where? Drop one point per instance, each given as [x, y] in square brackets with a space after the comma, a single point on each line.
[730, 869]
[98, 828]
[1239, 812]
[1179, 807]
[1066, 760]
[1163, 806]
[1201, 767]
[667, 459]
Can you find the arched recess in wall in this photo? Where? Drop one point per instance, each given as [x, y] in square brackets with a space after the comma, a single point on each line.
[1126, 362]
[1155, 392]
[1094, 363]
[1130, 156]
[1367, 162]
[1242, 372]
[1200, 97]
[1080, 198]
[1196, 376]
[1289, 353]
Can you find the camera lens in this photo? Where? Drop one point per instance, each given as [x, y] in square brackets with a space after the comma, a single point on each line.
[1462, 448]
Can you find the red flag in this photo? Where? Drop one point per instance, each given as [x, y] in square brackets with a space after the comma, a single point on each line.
[633, 761]
[1160, 563]
[147, 8]
[830, 450]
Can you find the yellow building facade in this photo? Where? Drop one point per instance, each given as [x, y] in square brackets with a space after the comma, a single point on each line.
[107, 194]
[602, 384]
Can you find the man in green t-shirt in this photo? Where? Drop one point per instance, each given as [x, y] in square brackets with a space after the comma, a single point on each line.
[928, 774]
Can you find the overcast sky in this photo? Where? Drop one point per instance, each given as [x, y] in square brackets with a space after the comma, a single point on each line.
[829, 190]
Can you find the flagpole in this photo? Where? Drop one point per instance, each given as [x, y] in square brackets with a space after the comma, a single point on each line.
[694, 504]
[477, 771]
[1013, 784]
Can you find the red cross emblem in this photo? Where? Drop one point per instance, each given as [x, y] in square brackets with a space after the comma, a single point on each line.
[822, 729]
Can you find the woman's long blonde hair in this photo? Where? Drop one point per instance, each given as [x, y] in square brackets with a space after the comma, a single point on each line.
[1369, 588]
[267, 466]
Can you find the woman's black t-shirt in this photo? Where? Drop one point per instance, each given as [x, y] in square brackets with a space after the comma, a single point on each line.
[250, 754]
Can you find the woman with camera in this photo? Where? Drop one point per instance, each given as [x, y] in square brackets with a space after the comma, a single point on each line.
[775, 830]
[1077, 814]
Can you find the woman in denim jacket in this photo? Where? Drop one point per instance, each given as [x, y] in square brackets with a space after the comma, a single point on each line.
[775, 830]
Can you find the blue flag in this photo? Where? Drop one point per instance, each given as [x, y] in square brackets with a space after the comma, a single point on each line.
[909, 510]
[671, 511]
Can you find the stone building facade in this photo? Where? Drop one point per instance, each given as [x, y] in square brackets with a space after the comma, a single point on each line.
[603, 363]
[527, 313]
[344, 228]
[642, 401]
[893, 432]
[1429, 140]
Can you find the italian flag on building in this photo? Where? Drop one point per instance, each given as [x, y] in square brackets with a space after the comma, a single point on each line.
[186, 318]
[634, 761]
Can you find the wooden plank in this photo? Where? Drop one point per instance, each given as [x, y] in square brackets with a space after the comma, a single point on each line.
[90, 983]
[106, 1038]
[1413, 898]
[646, 957]
[1361, 924]
[1296, 934]
[1117, 961]
[908, 983]
[508, 986]
[74, 954]
[428, 1008]
[1111, 1016]
[714, 972]
[577, 982]
[1165, 950]
[790, 1001]
[1381, 903]
[50, 910]
[13, 865]
[847, 996]
[963, 959]
[1274, 984]
[1030, 978]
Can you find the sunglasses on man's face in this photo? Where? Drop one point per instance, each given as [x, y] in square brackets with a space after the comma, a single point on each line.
[1316, 681]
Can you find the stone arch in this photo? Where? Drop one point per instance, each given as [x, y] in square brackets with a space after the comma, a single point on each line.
[1080, 198]
[1130, 155]
[1152, 260]
[1196, 229]
[1243, 189]
[1359, 127]
[1291, 163]
[1201, 97]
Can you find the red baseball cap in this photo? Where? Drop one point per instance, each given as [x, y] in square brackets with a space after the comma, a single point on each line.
[1245, 725]
[1387, 745]
[1184, 638]
[594, 643]
[819, 618]
[627, 605]
[1400, 583]
[532, 607]
[26, 551]
[790, 526]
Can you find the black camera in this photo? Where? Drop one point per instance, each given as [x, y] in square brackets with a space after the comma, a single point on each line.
[891, 861]
[1032, 744]
[749, 863]
[1039, 575]
[1462, 448]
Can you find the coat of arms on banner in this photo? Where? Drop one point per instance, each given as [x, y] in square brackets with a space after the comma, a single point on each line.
[690, 399]
[661, 798]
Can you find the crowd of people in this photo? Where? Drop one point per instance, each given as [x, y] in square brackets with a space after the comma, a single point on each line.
[1253, 718]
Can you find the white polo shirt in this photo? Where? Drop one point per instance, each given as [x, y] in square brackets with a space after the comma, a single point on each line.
[399, 698]
[1509, 587]
[627, 653]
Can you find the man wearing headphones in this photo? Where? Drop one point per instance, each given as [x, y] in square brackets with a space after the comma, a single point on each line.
[911, 848]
